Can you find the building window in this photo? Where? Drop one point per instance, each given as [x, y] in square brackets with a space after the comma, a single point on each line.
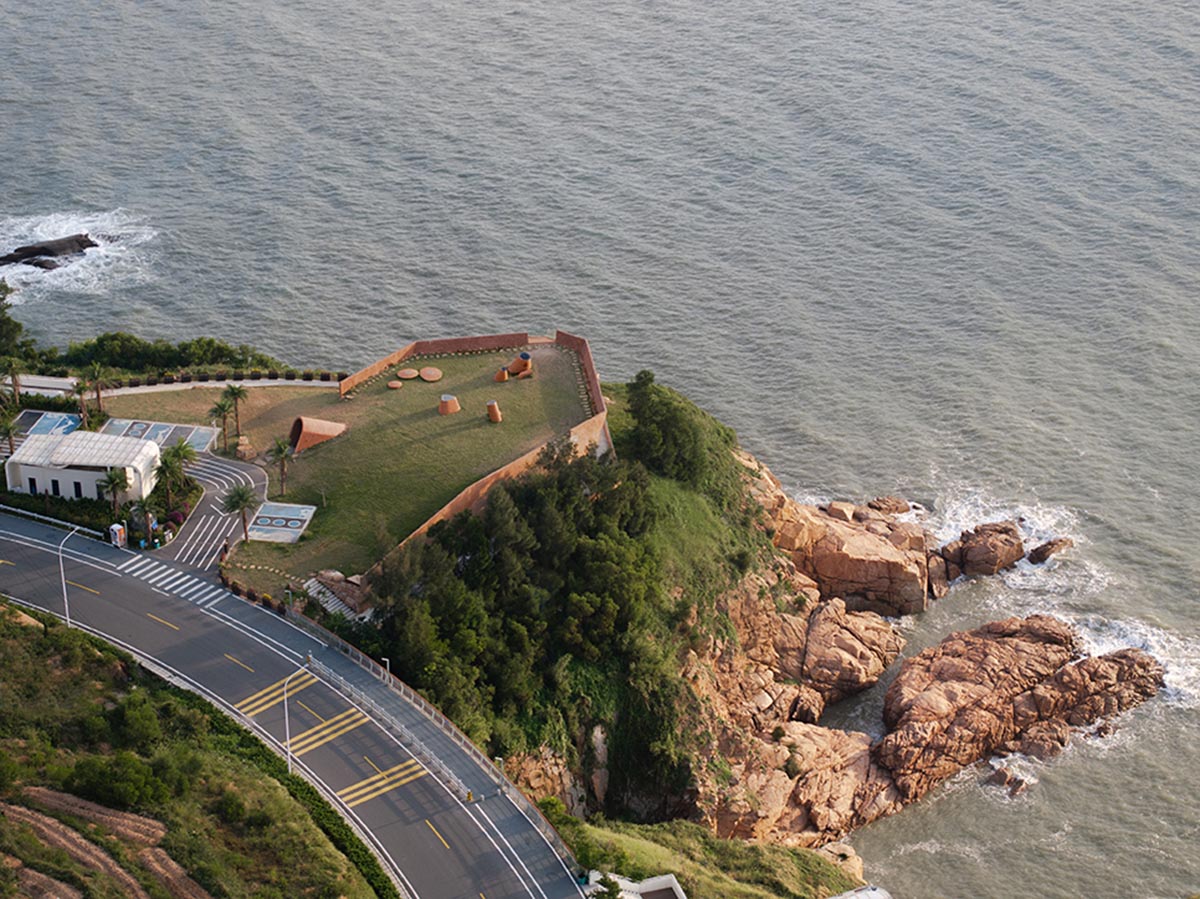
[99, 491]
[33, 486]
[78, 490]
[54, 487]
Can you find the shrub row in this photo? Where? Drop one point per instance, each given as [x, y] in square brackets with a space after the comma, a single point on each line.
[89, 513]
[252, 375]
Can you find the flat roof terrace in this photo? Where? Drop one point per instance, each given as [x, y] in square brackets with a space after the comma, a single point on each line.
[400, 461]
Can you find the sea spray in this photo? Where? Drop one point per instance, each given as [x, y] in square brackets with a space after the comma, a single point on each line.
[121, 259]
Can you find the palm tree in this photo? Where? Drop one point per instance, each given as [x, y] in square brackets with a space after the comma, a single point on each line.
[172, 467]
[114, 483]
[98, 376]
[279, 453]
[222, 409]
[148, 509]
[169, 471]
[235, 393]
[80, 392]
[11, 367]
[240, 499]
[10, 431]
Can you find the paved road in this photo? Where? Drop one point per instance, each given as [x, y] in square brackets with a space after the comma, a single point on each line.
[239, 656]
[207, 529]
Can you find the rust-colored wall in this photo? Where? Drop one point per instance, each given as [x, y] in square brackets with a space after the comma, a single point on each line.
[590, 379]
[434, 348]
[470, 344]
[366, 374]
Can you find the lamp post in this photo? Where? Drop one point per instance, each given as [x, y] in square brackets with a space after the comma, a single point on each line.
[287, 730]
[387, 663]
[62, 574]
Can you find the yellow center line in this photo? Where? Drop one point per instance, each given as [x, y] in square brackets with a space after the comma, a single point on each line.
[373, 765]
[239, 662]
[6, 562]
[307, 709]
[436, 834]
[271, 696]
[84, 587]
[330, 730]
[173, 627]
[386, 787]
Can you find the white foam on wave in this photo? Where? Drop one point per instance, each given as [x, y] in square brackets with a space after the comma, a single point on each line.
[960, 507]
[120, 260]
[1179, 656]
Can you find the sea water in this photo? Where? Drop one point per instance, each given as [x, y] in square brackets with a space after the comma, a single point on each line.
[949, 251]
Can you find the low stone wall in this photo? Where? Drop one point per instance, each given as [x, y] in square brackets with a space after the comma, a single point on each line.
[434, 348]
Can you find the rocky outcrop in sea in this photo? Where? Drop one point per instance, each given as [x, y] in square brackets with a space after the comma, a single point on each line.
[813, 629]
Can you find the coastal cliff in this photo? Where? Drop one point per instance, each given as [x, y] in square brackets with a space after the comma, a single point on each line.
[805, 631]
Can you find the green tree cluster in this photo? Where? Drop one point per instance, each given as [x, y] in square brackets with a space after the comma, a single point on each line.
[542, 615]
[678, 440]
[127, 352]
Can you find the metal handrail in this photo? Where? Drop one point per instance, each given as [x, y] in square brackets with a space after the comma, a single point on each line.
[530, 811]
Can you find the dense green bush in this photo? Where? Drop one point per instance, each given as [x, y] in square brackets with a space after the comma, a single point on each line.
[546, 613]
[126, 352]
[676, 439]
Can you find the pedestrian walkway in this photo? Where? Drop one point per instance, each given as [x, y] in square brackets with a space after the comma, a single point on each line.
[167, 579]
[210, 530]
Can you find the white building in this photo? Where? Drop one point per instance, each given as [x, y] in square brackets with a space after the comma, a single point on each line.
[73, 465]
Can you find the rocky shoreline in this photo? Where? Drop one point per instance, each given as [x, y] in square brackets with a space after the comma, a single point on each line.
[810, 631]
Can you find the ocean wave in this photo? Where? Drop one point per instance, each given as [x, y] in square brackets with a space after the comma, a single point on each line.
[120, 259]
[1180, 656]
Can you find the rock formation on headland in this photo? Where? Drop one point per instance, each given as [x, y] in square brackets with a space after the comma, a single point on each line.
[807, 633]
[45, 254]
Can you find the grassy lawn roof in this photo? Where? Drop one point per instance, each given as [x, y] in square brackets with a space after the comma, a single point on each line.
[400, 461]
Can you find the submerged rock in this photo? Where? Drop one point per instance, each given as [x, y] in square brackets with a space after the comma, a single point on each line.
[43, 253]
[1049, 548]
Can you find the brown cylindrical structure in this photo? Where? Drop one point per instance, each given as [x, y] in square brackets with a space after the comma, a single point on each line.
[493, 411]
[502, 375]
[449, 404]
[523, 362]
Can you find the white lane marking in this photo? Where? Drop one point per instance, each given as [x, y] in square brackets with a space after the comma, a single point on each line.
[194, 587]
[172, 583]
[160, 580]
[207, 595]
[197, 527]
[514, 852]
[150, 571]
[68, 553]
[132, 563]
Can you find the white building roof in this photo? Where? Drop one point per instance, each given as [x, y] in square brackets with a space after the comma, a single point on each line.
[86, 449]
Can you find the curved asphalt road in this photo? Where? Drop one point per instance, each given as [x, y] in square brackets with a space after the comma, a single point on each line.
[239, 655]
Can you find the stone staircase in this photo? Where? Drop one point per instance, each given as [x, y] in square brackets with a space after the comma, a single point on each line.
[328, 600]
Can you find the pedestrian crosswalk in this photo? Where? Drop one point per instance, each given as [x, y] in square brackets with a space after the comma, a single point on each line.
[171, 580]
